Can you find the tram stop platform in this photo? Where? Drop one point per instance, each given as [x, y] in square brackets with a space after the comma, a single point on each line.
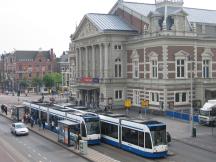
[92, 155]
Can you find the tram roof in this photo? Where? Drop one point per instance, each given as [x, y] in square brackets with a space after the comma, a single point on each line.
[67, 122]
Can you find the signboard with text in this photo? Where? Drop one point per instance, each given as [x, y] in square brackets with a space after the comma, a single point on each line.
[89, 80]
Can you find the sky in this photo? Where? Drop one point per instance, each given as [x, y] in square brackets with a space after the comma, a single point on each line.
[46, 24]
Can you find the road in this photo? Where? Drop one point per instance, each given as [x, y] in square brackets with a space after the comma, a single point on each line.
[180, 153]
[31, 148]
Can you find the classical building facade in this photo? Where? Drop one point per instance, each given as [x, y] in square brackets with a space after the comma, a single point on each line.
[26, 65]
[164, 53]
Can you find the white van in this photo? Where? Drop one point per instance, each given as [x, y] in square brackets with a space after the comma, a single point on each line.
[207, 115]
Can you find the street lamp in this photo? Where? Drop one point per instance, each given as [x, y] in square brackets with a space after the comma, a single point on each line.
[191, 97]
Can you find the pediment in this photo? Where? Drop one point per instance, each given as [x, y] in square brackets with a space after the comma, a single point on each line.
[85, 29]
[153, 55]
[134, 55]
[182, 54]
[207, 53]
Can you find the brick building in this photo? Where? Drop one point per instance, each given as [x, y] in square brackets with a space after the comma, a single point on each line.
[26, 65]
[147, 52]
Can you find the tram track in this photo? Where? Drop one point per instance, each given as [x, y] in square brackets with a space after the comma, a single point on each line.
[120, 154]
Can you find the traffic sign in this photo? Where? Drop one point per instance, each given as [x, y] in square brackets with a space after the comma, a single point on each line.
[145, 103]
[127, 103]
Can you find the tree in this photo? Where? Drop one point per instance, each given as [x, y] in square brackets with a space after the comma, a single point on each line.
[51, 80]
[37, 82]
[23, 84]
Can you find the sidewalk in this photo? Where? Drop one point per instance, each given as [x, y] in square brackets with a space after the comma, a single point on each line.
[92, 155]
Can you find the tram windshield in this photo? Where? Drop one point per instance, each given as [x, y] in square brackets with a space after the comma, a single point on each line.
[204, 113]
[158, 134]
[92, 125]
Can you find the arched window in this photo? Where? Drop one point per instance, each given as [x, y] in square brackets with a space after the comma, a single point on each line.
[118, 68]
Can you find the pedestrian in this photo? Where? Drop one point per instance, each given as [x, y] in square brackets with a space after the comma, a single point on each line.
[42, 98]
[78, 140]
[6, 110]
[43, 125]
[2, 108]
[52, 125]
[26, 93]
[32, 122]
[39, 123]
[140, 113]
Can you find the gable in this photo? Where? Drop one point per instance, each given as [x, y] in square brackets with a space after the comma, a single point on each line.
[85, 29]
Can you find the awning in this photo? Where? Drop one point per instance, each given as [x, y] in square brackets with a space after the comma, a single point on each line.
[210, 89]
[87, 88]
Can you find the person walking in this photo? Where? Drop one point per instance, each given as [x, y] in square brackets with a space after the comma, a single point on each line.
[78, 140]
[42, 98]
[43, 125]
[39, 123]
[32, 122]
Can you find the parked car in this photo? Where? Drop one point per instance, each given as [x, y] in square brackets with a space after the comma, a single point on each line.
[19, 129]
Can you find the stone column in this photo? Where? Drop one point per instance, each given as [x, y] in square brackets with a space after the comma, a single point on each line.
[77, 63]
[80, 62]
[165, 99]
[106, 60]
[93, 61]
[144, 58]
[86, 60]
[101, 61]
[165, 59]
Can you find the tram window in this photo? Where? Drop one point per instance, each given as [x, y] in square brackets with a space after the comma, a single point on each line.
[83, 130]
[141, 139]
[148, 141]
[109, 130]
[130, 135]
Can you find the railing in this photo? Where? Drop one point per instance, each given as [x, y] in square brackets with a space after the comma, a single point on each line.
[181, 116]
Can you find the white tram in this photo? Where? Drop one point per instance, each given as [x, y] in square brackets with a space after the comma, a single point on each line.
[89, 122]
[145, 138]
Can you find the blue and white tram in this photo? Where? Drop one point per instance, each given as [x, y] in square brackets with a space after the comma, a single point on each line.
[145, 138]
[89, 122]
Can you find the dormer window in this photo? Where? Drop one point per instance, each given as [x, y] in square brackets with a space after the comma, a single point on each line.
[170, 22]
[160, 22]
[117, 47]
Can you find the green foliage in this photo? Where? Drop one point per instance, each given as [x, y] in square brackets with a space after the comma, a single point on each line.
[37, 82]
[24, 84]
[52, 79]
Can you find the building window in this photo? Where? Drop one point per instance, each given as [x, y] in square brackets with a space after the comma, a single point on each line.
[117, 47]
[118, 69]
[20, 75]
[118, 94]
[154, 69]
[20, 67]
[180, 68]
[136, 69]
[206, 68]
[30, 75]
[180, 97]
[154, 97]
[136, 97]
